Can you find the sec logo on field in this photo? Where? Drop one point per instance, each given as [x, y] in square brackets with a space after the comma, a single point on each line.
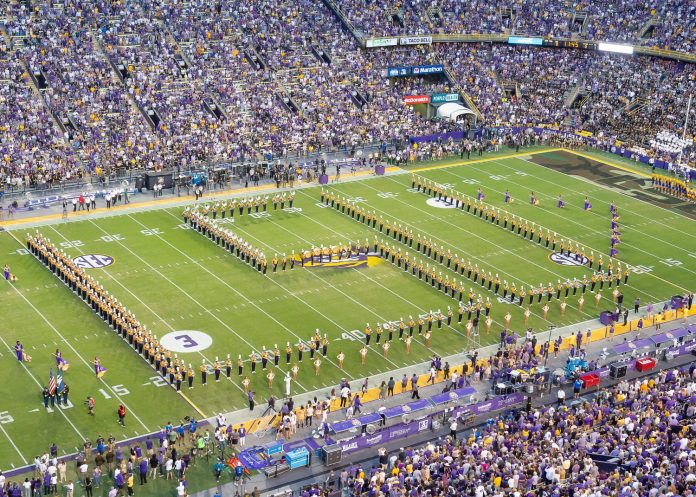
[93, 261]
[567, 260]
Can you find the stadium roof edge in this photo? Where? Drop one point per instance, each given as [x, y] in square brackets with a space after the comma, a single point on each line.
[503, 38]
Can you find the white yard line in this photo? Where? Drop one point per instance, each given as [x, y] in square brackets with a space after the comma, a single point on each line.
[595, 213]
[86, 363]
[184, 292]
[603, 187]
[355, 270]
[444, 243]
[241, 295]
[507, 251]
[24, 460]
[41, 387]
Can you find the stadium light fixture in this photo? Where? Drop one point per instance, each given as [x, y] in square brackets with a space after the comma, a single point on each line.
[615, 48]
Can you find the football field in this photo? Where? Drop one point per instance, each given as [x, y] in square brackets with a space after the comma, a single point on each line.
[207, 304]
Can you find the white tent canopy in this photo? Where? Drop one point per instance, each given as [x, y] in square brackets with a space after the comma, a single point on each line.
[452, 111]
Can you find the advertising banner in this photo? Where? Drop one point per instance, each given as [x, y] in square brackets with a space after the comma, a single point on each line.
[416, 99]
[416, 40]
[444, 97]
[431, 69]
[381, 42]
[395, 72]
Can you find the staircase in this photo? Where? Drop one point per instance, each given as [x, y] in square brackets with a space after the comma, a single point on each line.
[435, 15]
[647, 30]
[465, 96]
[571, 120]
[571, 95]
[121, 74]
[579, 19]
[577, 96]
[395, 17]
[635, 105]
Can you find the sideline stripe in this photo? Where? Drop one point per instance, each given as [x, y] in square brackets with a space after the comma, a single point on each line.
[163, 203]
[479, 161]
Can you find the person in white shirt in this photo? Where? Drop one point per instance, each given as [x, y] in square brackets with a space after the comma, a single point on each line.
[287, 384]
[169, 465]
[181, 489]
[27, 487]
[453, 429]
[70, 487]
[345, 393]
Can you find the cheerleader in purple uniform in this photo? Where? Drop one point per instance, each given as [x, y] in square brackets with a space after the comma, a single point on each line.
[561, 203]
[508, 198]
[533, 200]
[6, 272]
[612, 208]
[480, 196]
[588, 205]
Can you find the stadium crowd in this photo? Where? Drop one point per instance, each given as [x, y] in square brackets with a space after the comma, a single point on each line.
[138, 84]
[665, 24]
[646, 424]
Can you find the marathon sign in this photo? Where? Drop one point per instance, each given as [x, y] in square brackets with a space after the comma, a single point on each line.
[438, 98]
[416, 99]
[381, 42]
[416, 40]
[431, 69]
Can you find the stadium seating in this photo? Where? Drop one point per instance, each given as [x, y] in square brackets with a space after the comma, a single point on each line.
[616, 443]
[152, 85]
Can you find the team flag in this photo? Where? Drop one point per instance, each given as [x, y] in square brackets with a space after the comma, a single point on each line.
[59, 380]
[51, 383]
[101, 370]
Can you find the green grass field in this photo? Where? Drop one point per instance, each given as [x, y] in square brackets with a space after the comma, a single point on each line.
[174, 280]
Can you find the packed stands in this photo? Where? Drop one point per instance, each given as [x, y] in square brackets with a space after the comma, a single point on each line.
[668, 25]
[144, 84]
[632, 439]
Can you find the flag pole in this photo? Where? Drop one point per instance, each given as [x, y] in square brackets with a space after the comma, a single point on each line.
[686, 124]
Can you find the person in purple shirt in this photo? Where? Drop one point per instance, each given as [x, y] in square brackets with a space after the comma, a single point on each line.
[356, 404]
[142, 466]
[120, 481]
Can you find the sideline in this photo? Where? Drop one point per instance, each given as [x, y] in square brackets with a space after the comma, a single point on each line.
[171, 201]
[488, 159]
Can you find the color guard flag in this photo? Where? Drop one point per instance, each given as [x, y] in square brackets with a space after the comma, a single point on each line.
[101, 371]
[59, 381]
[51, 383]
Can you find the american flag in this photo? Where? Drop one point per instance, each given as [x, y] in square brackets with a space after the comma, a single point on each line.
[51, 383]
